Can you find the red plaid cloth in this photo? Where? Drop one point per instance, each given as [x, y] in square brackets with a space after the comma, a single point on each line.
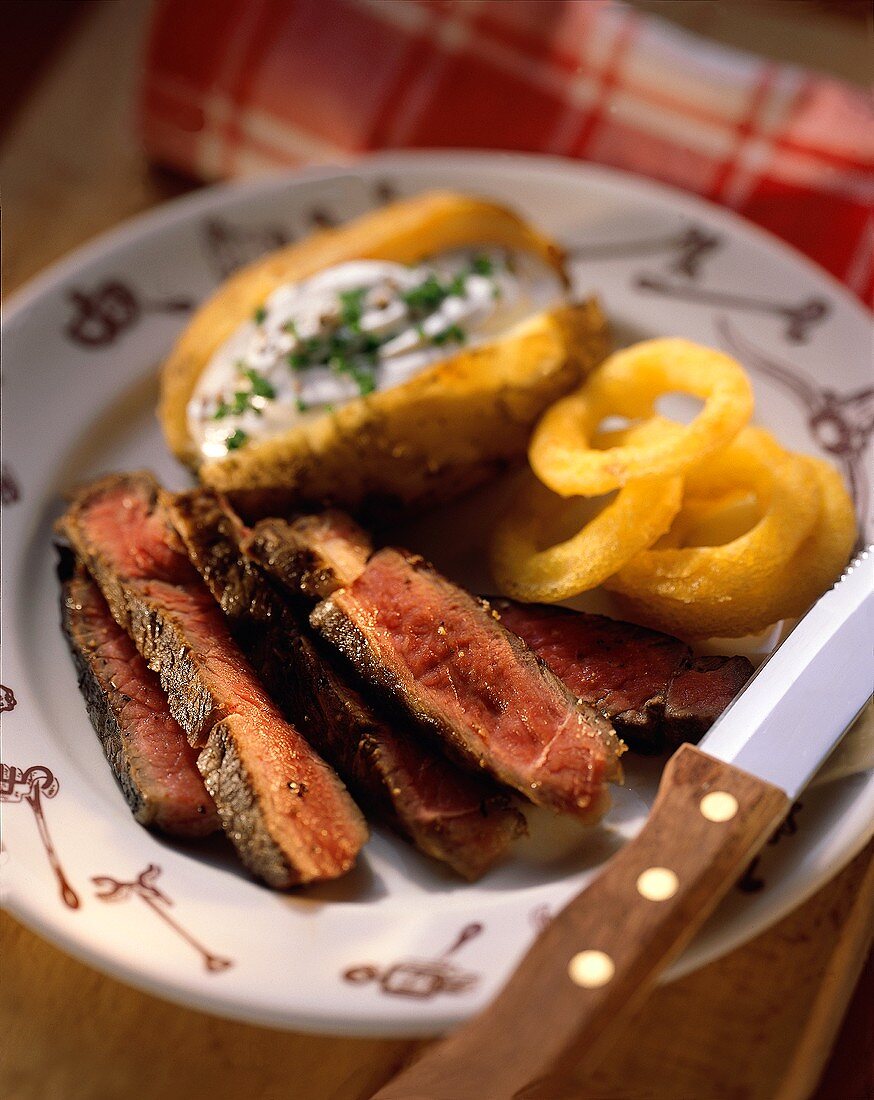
[237, 87]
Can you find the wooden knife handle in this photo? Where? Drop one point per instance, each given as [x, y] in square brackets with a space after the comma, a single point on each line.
[569, 998]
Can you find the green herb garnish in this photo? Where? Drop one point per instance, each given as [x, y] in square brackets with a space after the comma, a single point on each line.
[290, 327]
[260, 385]
[221, 411]
[482, 265]
[236, 439]
[365, 380]
[454, 334]
[426, 296]
[260, 315]
[351, 307]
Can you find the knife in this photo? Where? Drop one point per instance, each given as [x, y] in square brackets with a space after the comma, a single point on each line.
[717, 804]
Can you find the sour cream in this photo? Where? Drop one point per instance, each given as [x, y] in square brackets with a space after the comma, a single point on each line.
[353, 329]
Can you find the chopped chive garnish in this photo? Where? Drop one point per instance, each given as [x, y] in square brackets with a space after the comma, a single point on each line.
[456, 287]
[351, 307]
[426, 296]
[297, 360]
[454, 334]
[365, 380]
[260, 315]
[302, 406]
[236, 439]
[482, 265]
[221, 411]
[260, 385]
[339, 364]
[290, 327]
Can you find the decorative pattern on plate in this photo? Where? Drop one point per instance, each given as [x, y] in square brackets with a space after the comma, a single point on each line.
[799, 318]
[841, 424]
[751, 882]
[101, 315]
[231, 247]
[7, 699]
[687, 250]
[30, 786]
[9, 488]
[321, 218]
[143, 887]
[421, 978]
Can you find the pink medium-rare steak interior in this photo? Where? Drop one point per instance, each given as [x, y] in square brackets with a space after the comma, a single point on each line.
[647, 683]
[700, 693]
[462, 820]
[146, 748]
[286, 811]
[447, 660]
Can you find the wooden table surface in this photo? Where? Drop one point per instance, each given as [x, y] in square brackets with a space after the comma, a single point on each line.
[759, 1024]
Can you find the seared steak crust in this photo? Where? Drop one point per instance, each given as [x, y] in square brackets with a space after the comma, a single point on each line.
[648, 684]
[440, 655]
[313, 555]
[461, 820]
[284, 809]
[146, 748]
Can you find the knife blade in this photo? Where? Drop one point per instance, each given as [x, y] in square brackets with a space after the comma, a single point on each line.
[567, 1002]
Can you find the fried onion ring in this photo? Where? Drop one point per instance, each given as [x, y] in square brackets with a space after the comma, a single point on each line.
[640, 513]
[746, 584]
[628, 384]
[821, 558]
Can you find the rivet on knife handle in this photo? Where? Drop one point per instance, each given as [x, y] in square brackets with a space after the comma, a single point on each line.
[568, 1000]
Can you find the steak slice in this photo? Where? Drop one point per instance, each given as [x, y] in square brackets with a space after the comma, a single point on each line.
[146, 748]
[313, 555]
[650, 686]
[459, 819]
[440, 655]
[284, 809]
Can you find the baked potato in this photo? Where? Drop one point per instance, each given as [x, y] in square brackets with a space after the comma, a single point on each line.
[447, 422]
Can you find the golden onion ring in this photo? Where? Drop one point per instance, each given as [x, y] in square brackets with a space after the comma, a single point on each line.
[640, 513]
[820, 559]
[628, 384]
[744, 585]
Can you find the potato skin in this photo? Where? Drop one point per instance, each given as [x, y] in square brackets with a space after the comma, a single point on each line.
[437, 435]
[427, 439]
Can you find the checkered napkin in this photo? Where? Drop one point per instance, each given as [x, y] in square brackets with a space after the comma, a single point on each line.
[238, 87]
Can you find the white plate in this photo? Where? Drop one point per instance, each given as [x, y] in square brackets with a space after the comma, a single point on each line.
[398, 948]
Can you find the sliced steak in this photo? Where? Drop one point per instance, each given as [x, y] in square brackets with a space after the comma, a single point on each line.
[312, 555]
[441, 656]
[286, 811]
[648, 684]
[146, 748]
[459, 819]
